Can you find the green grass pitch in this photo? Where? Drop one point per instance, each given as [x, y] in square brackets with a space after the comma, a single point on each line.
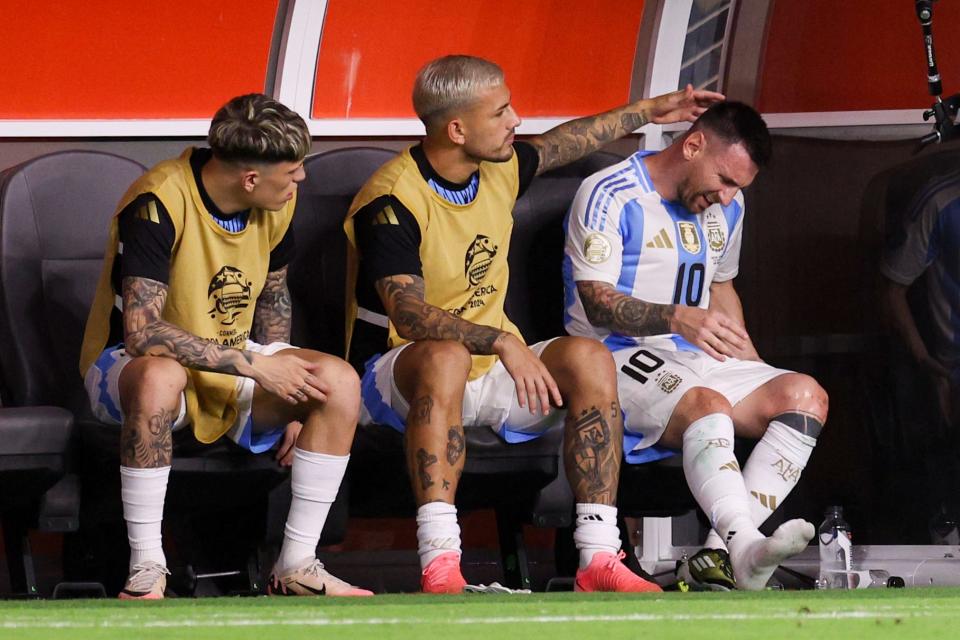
[874, 613]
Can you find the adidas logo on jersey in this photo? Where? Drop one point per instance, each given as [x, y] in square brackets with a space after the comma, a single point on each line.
[148, 212]
[660, 241]
[386, 216]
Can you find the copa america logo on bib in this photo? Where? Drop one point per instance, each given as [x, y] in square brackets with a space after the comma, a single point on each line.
[596, 248]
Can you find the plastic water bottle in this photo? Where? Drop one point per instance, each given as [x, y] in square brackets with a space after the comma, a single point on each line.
[836, 550]
[873, 579]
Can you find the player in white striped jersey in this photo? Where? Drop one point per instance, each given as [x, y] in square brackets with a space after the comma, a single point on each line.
[923, 240]
[653, 245]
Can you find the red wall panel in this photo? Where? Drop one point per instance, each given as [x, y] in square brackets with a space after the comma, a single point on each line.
[825, 55]
[560, 58]
[121, 59]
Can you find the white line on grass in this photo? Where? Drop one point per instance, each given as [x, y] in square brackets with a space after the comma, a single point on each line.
[326, 622]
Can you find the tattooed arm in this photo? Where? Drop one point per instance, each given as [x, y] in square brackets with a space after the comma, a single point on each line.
[712, 330]
[573, 140]
[147, 334]
[608, 308]
[415, 319]
[271, 320]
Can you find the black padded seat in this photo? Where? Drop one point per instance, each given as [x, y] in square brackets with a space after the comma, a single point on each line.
[42, 269]
[21, 435]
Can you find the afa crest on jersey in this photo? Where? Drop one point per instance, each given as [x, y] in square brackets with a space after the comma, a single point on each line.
[715, 236]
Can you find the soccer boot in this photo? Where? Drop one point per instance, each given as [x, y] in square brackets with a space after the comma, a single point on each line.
[147, 581]
[443, 575]
[708, 570]
[311, 579]
[607, 573]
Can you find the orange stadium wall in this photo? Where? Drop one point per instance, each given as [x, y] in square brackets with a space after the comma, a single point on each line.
[183, 58]
[177, 60]
[823, 56]
[560, 58]
[116, 59]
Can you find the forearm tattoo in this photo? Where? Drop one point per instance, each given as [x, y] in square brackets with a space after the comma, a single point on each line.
[415, 319]
[147, 334]
[146, 442]
[608, 308]
[272, 318]
[575, 139]
[592, 454]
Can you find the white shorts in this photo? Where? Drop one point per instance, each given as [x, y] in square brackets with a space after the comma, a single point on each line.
[490, 400]
[651, 381]
[102, 385]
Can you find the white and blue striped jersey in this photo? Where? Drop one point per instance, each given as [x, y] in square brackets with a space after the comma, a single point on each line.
[927, 239]
[621, 231]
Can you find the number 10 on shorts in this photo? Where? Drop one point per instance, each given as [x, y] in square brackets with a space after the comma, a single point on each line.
[640, 363]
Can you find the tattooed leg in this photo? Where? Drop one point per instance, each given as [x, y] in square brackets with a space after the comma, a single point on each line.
[591, 454]
[432, 375]
[150, 390]
[593, 436]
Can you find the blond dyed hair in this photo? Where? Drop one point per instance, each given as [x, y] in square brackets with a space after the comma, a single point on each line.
[257, 128]
[450, 83]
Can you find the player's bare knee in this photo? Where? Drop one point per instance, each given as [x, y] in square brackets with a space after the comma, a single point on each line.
[798, 392]
[585, 365]
[152, 379]
[441, 360]
[335, 372]
[344, 389]
[698, 402]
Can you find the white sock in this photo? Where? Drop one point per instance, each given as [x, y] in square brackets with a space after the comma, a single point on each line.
[437, 531]
[773, 468]
[314, 482]
[714, 541]
[755, 557]
[713, 475]
[771, 472]
[596, 531]
[142, 492]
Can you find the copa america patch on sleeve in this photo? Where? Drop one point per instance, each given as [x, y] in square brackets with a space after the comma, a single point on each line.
[596, 248]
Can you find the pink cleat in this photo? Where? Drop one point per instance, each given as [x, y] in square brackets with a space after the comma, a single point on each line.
[443, 575]
[607, 573]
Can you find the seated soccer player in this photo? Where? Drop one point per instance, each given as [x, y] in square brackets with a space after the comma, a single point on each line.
[433, 230]
[190, 327]
[653, 245]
